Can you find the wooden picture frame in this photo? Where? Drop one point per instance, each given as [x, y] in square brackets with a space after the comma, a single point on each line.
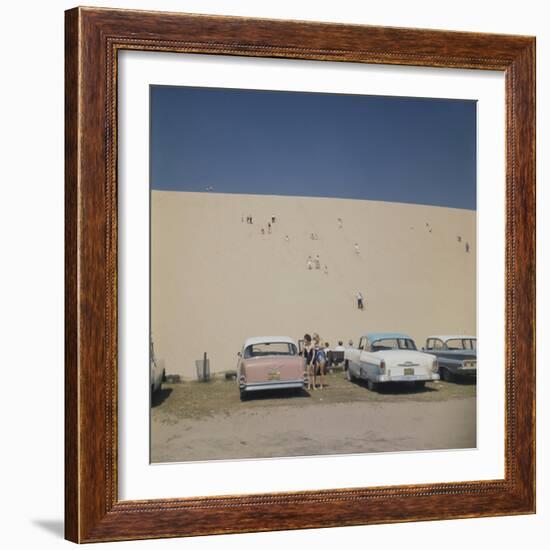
[93, 511]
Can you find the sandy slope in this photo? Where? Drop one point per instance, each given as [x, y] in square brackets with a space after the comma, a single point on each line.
[217, 280]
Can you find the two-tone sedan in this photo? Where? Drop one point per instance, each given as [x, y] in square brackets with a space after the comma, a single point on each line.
[268, 363]
[388, 357]
[456, 355]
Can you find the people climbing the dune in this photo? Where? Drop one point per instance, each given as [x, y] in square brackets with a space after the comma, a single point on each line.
[317, 262]
[309, 263]
[467, 247]
[326, 269]
[360, 304]
[287, 239]
[340, 223]
[269, 227]
[356, 247]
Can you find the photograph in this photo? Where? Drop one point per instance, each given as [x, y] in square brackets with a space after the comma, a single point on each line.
[312, 274]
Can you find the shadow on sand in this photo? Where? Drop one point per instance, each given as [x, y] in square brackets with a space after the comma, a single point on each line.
[159, 397]
[464, 380]
[276, 394]
[397, 388]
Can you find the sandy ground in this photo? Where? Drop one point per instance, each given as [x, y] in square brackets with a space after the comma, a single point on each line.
[206, 422]
[216, 280]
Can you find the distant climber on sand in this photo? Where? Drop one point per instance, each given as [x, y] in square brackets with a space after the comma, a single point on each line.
[467, 247]
[326, 270]
[269, 227]
[272, 219]
[356, 246]
[459, 238]
[309, 263]
[317, 262]
[340, 223]
[359, 300]
[287, 238]
[263, 231]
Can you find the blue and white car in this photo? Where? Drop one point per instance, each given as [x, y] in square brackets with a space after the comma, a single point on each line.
[386, 357]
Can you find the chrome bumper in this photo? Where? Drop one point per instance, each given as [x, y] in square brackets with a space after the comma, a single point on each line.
[273, 385]
[381, 378]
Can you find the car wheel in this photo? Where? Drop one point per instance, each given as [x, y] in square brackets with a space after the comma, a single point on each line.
[420, 384]
[372, 386]
[244, 395]
[447, 375]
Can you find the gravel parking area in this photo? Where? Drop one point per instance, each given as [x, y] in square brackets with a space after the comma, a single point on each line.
[207, 421]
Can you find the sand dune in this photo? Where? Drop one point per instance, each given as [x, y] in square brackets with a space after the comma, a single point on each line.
[216, 280]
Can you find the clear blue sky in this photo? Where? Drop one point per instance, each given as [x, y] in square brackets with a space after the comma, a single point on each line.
[412, 150]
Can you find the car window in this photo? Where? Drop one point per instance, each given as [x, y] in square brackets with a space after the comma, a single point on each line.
[362, 342]
[270, 348]
[438, 344]
[469, 343]
[455, 344]
[429, 343]
[393, 343]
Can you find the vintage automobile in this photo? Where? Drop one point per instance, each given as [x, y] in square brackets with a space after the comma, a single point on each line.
[456, 355]
[386, 357]
[158, 372]
[270, 362]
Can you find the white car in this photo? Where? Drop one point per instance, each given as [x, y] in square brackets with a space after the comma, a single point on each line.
[385, 357]
[158, 372]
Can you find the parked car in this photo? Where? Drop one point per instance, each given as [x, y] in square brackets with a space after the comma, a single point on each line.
[386, 357]
[158, 372]
[456, 355]
[270, 362]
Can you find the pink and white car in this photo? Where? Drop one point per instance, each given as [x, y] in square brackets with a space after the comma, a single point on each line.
[270, 362]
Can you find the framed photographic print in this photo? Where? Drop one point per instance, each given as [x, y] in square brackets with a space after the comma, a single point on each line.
[300, 275]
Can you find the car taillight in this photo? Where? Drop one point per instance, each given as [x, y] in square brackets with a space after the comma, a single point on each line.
[382, 367]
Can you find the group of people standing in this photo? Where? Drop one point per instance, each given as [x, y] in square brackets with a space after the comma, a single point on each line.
[315, 355]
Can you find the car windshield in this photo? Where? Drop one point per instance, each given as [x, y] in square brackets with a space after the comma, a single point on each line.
[393, 343]
[461, 344]
[270, 348]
